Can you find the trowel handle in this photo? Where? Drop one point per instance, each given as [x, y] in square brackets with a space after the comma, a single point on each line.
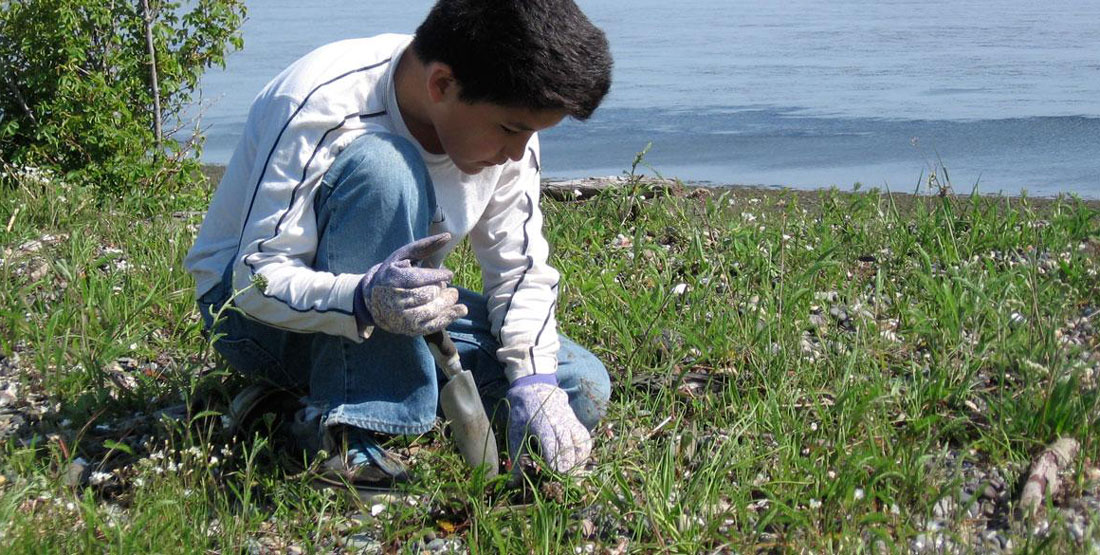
[444, 352]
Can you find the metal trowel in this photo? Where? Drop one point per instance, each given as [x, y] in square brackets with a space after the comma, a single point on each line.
[462, 407]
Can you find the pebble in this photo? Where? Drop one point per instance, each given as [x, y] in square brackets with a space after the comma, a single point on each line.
[919, 544]
[1077, 530]
[362, 543]
[974, 510]
[817, 321]
[944, 508]
[76, 474]
[37, 269]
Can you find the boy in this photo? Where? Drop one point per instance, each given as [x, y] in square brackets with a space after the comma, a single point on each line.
[361, 166]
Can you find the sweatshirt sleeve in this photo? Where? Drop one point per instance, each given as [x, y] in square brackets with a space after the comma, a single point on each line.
[520, 285]
[295, 142]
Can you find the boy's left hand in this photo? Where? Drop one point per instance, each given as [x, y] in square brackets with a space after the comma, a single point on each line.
[540, 409]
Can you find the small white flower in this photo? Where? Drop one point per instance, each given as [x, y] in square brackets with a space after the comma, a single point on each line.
[679, 289]
[815, 504]
[858, 494]
[748, 216]
[622, 242]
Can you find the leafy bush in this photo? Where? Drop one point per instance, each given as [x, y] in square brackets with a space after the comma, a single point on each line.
[77, 86]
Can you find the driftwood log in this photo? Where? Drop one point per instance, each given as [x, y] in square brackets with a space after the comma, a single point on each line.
[1043, 477]
[580, 189]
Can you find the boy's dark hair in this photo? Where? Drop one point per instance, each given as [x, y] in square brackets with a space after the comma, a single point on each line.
[535, 54]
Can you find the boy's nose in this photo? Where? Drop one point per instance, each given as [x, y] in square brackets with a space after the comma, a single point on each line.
[515, 149]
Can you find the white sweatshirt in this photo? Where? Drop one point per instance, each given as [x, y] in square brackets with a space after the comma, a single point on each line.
[262, 219]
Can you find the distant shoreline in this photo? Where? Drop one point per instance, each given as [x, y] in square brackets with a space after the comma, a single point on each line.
[563, 189]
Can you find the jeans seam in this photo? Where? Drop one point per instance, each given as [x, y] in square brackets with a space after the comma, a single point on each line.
[482, 348]
[341, 416]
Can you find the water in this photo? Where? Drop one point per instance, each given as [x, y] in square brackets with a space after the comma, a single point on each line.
[801, 93]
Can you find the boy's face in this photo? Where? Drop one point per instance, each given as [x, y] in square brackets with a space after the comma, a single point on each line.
[481, 134]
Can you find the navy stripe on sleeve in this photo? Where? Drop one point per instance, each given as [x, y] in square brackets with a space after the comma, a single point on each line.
[279, 137]
[305, 172]
[545, 323]
[530, 264]
[290, 205]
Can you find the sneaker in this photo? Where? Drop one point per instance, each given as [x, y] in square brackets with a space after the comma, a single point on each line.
[357, 457]
[362, 462]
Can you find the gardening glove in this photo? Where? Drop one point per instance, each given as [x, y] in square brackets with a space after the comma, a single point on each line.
[539, 409]
[400, 297]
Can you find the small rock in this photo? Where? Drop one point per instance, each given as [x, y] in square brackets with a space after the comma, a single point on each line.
[817, 321]
[588, 528]
[944, 508]
[437, 545]
[974, 510]
[254, 547]
[1077, 530]
[880, 547]
[76, 474]
[1093, 474]
[37, 269]
[988, 509]
[919, 544]
[362, 543]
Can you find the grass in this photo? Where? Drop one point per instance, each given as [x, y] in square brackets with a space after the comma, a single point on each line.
[792, 372]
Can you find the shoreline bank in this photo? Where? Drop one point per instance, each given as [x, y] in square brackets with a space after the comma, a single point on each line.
[567, 189]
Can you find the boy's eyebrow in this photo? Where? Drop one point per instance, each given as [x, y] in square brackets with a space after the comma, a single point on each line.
[518, 125]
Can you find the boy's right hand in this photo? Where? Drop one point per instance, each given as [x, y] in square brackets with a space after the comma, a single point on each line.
[400, 297]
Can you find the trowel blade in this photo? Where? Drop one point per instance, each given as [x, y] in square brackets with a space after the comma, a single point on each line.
[469, 425]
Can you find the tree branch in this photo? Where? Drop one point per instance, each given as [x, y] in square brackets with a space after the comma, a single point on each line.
[149, 45]
[19, 97]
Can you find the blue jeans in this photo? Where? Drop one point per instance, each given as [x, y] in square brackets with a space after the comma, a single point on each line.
[377, 197]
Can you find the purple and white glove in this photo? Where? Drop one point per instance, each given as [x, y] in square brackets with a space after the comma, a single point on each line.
[400, 297]
[538, 408]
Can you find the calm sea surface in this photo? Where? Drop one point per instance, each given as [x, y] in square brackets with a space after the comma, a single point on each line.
[801, 93]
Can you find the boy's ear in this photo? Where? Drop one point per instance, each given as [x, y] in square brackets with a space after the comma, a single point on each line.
[441, 81]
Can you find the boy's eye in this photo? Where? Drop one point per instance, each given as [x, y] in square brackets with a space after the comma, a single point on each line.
[508, 131]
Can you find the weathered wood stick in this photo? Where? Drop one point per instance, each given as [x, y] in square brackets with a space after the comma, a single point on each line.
[576, 189]
[1043, 477]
